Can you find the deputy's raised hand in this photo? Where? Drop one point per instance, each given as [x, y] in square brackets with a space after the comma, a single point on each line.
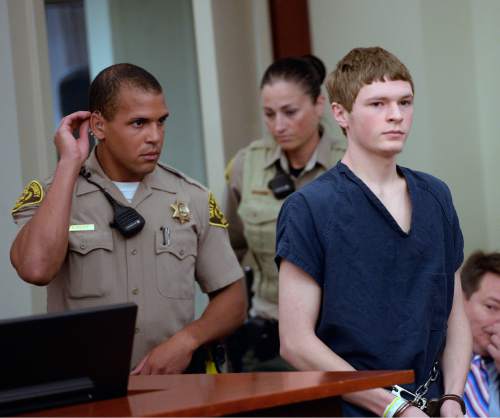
[68, 147]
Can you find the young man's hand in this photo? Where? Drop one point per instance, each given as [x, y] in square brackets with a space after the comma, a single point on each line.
[171, 356]
[451, 408]
[413, 411]
[68, 147]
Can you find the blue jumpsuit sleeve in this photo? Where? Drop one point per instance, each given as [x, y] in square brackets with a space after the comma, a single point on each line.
[458, 239]
[297, 238]
[457, 256]
[455, 238]
[457, 244]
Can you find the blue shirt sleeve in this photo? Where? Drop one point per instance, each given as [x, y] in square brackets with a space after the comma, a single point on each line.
[443, 195]
[297, 237]
[458, 241]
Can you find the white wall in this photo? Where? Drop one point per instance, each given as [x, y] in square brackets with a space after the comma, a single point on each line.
[15, 296]
[485, 20]
[159, 36]
[233, 43]
[99, 39]
[449, 47]
[239, 51]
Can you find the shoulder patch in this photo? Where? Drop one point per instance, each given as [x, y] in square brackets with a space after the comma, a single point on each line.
[215, 214]
[32, 195]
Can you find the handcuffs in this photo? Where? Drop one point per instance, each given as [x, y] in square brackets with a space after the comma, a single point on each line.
[431, 407]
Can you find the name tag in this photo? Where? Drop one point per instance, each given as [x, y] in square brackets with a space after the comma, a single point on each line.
[261, 192]
[85, 227]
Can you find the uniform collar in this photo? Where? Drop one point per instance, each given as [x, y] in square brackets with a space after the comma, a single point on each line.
[153, 180]
[320, 156]
[157, 180]
[97, 175]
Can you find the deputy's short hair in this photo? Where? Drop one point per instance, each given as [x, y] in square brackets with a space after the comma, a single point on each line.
[105, 88]
[362, 66]
[476, 266]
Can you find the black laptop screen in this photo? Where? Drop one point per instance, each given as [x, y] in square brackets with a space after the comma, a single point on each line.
[62, 358]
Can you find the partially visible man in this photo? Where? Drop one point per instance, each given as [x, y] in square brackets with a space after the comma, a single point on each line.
[73, 239]
[480, 277]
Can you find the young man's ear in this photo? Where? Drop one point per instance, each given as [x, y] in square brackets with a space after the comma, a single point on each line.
[340, 114]
[97, 125]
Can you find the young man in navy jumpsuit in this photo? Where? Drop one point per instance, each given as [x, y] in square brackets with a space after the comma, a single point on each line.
[368, 252]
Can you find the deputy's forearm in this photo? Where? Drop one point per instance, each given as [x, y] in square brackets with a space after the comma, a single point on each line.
[41, 245]
[225, 312]
[236, 236]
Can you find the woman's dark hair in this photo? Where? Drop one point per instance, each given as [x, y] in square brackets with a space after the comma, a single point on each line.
[307, 71]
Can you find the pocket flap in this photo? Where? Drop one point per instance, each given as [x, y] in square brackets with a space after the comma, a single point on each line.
[87, 241]
[181, 243]
[260, 214]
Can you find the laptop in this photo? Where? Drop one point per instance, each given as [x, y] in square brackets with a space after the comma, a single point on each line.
[64, 358]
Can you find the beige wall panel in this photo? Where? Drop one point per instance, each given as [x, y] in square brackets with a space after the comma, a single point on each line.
[241, 42]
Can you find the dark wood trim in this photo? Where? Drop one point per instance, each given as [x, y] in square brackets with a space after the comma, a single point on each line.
[290, 28]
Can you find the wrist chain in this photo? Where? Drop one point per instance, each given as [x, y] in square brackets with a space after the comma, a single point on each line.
[417, 399]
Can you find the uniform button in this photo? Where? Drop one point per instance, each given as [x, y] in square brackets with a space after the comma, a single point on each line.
[133, 252]
[181, 252]
[135, 291]
[137, 330]
[83, 246]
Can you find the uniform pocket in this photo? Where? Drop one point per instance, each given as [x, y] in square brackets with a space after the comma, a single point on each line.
[176, 252]
[260, 226]
[90, 263]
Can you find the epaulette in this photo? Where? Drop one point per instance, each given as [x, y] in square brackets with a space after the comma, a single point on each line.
[262, 143]
[228, 170]
[181, 175]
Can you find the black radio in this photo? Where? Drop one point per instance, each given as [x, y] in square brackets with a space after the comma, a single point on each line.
[126, 220]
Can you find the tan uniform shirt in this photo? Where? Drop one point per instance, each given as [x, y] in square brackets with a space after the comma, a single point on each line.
[157, 268]
[252, 210]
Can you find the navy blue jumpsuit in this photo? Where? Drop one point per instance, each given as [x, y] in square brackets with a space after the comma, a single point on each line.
[386, 294]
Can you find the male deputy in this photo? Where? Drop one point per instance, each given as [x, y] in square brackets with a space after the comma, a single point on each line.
[65, 240]
[368, 252]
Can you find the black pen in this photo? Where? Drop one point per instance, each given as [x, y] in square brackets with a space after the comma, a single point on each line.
[166, 234]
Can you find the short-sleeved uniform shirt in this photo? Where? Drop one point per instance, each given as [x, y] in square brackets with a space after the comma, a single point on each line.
[386, 294]
[252, 209]
[157, 269]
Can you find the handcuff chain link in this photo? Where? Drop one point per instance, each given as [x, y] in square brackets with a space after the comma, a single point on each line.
[417, 398]
[423, 389]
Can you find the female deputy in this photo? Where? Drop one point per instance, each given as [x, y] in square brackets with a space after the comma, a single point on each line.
[259, 177]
